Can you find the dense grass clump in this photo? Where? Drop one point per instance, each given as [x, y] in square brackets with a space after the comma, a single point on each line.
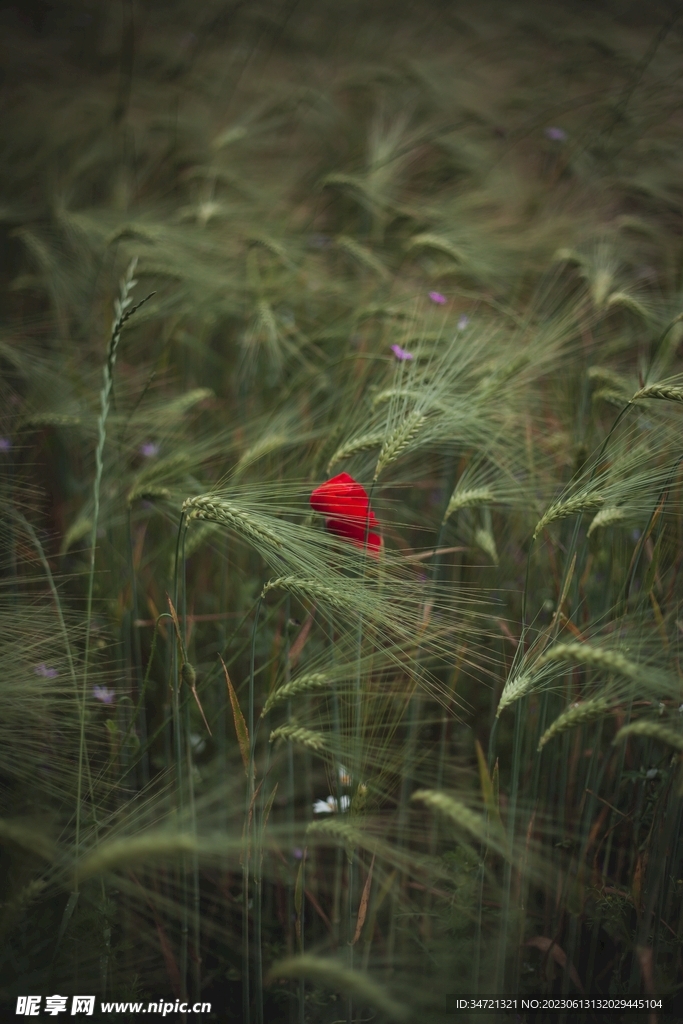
[336, 760]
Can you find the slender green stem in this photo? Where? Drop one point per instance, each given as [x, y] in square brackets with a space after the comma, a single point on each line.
[139, 717]
[179, 759]
[512, 813]
[123, 312]
[258, 888]
[336, 726]
[246, 954]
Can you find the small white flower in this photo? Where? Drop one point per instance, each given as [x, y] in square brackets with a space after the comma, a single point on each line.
[651, 773]
[330, 806]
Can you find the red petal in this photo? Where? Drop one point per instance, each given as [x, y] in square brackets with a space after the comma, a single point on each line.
[346, 507]
[342, 495]
[354, 533]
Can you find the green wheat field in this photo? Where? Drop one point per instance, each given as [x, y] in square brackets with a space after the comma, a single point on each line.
[341, 479]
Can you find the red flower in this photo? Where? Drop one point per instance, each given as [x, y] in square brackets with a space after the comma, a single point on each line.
[346, 507]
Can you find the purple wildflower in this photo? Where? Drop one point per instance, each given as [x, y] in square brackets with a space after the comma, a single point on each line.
[149, 449]
[5, 444]
[297, 853]
[437, 297]
[555, 134]
[401, 353]
[103, 694]
[45, 671]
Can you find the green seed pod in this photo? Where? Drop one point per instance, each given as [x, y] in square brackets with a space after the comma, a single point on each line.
[188, 674]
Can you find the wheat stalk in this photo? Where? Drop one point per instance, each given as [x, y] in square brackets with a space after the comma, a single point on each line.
[606, 517]
[218, 510]
[411, 394]
[628, 302]
[596, 657]
[363, 255]
[397, 442]
[180, 405]
[604, 375]
[361, 444]
[576, 714]
[148, 493]
[297, 734]
[468, 498]
[77, 531]
[668, 392]
[439, 244]
[585, 502]
[310, 589]
[341, 831]
[653, 730]
[580, 654]
[454, 810]
[264, 446]
[52, 419]
[514, 688]
[615, 398]
[487, 542]
[329, 974]
[121, 853]
[304, 684]
[123, 311]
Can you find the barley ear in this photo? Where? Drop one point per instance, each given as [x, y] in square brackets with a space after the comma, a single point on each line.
[399, 440]
[596, 657]
[331, 974]
[515, 688]
[468, 498]
[364, 443]
[576, 714]
[667, 392]
[654, 731]
[304, 684]
[218, 510]
[454, 810]
[585, 502]
[303, 737]
[606, 517]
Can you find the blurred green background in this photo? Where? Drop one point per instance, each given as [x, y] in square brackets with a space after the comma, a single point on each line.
[436, 246]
